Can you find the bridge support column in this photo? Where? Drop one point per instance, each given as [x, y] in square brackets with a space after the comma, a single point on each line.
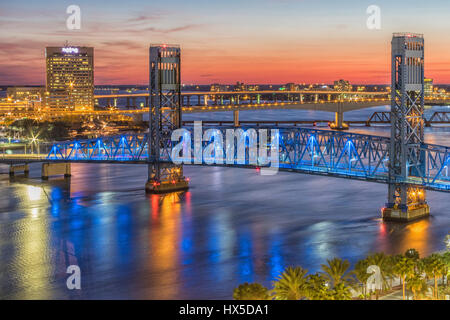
[165, 117]
[205, 99]
[258, 99]
[416, 206]
[133, 102]
[339, 119]
[236, 118]
[128, 101]
[165, 178]
[18, 168]
[146, 102]
[53, 169]
[316, 98]
[406, 158]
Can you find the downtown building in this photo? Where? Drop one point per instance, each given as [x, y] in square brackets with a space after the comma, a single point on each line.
[70, 78]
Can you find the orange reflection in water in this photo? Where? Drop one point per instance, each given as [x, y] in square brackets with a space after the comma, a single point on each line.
[164, 240]
[396, 238]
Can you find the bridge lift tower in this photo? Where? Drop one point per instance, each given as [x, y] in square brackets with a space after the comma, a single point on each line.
[165, 117]
[406, 202]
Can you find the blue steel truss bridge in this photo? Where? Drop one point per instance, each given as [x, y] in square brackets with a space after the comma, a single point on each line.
[304, 150]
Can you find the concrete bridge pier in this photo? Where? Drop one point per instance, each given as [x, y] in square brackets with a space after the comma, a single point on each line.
[18, 168]
[236, 118]
[52, 169]
[339, 123]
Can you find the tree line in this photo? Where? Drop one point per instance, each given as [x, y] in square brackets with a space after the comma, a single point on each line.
[336, 281]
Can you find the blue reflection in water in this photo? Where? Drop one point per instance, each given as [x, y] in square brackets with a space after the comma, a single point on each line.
[276, 264]
[187, 241]
[245, 256]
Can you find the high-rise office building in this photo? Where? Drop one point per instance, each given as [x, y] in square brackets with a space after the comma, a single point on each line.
[70, 78]
[428, 87]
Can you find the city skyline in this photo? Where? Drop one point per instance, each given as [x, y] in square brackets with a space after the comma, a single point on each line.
[279, 42]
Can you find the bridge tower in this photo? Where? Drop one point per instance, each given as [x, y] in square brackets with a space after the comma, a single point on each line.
[406, 202]
[165, 116]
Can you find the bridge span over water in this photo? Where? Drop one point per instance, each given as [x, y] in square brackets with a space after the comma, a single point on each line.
[303, 150]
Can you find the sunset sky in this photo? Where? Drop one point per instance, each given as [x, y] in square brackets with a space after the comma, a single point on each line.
[254, 41]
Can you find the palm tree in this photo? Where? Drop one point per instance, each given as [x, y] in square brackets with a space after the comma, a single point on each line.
[446, 259]
[291, 284]
[391, 263]
[434, 267]
[404, 268]
[447, 241]
[316, 287]
[251, 291]
[340, 292]
[412, 254]
[417, 284]
[336, 272]
[360, 272]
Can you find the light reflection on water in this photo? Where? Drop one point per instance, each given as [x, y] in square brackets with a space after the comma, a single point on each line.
[231, 227]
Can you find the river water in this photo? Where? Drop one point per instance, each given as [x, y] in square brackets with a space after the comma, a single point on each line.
[232, 226]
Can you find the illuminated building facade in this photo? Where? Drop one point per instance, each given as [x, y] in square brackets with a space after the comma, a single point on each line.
[25, 93]
[342, 85]
[428, 87]
[13, 108]
[70, 78]
[215, 87]
[291, 87]
[240, 86]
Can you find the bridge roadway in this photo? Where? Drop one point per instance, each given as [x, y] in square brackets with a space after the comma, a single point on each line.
[319, 106]
[248, 92]
[304, 150]
[337, 106]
